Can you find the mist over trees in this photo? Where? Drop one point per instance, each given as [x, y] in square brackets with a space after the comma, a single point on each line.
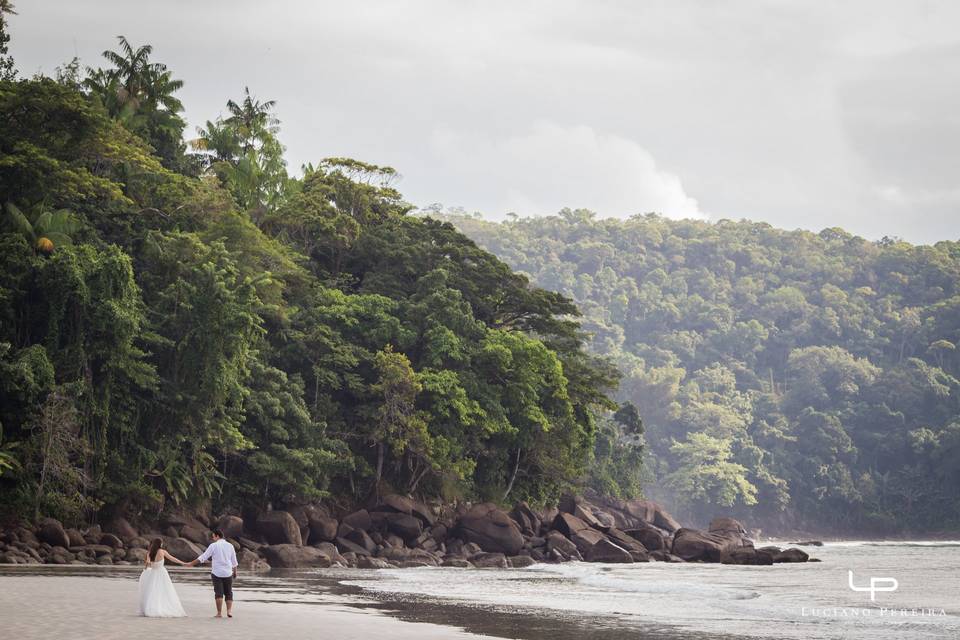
[803, 379]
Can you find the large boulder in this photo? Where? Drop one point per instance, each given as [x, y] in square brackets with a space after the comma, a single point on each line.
[231, 526]
[748, 556]
[52, 532]
[76, 538]
[649, 536]
[606, 551]
[576, 506]
[358, 520]
[287, 556]
[360, 538]
[492, 529]
[621, 539]
[587, 539]
[647, 511]
[345, 547]
[193, 534]
[727, 526]
[560, 545]
[279, 527]
[568, 524]
[791, 555]
[401, 504]
[691, 544]
[111, 540]
[121, 528]
[404, 525]
[182, 549]
[323, 529]
[489, 561]
[526, 519]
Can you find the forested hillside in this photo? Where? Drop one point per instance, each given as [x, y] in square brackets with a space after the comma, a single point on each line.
[810, 380]
[184, 322]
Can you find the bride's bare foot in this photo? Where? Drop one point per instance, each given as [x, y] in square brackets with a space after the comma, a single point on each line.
[229, 615]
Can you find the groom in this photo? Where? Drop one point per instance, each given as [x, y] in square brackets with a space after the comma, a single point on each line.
[223, 571]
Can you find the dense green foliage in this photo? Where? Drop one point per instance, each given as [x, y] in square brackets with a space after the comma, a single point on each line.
[182, 327]
[807, 379]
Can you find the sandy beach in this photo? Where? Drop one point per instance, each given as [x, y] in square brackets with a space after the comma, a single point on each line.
[105, 608]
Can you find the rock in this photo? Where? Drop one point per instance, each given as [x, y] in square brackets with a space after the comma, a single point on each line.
[649, 536]
[247, 543]
[279, 527]
[646, 511]
[367, 562]
[808, 543]
[568, 524]
[439, 532]
[362, 539]
[287, 556]
[331, 550]
[606, 551]
[772, 550]
[489, 561]
[121, 528]
[346, 546]
[138, 542]
[76, 538]
[526, 519]
[586, 539]
[520, 562]
[579, 508]
[414, 564]
[105, 560]
[791, 555]
[664, 556]
[323, 529]
[182, 549]
[691, 544]
[404, 525]
[490, 528]
[728, 526]
[470, 549]
[402, 504]
[111, 540]
[457, 562]
[358, 520]
[567, 550]
[231, 526]
[621, 539]
[98, 550]
[49, 531]
[135, 555]
[748, 556]
[193, 534]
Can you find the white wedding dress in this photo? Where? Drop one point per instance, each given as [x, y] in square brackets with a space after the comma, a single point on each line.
[158, 598]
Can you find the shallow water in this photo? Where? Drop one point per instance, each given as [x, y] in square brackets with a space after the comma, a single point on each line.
[653, 601]
[811, 600]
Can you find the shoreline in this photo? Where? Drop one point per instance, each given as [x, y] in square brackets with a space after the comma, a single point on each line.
[97, 604]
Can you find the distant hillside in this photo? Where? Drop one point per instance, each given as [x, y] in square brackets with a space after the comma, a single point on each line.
[808, 379]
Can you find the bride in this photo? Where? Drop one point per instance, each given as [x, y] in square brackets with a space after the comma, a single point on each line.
[158, 598]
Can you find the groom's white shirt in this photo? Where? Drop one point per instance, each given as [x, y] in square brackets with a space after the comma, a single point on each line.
[224, 558]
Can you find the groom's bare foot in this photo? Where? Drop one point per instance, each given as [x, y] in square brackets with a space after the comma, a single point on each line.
[229, 615]
[218, 616]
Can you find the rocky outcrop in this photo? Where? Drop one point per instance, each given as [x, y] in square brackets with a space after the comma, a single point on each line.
[607, 551]
[52, 532]
[231, 526]
[791, 555]
[492, 529]
[279, 527]
[290, 555]
[182, 549]
[691, 544]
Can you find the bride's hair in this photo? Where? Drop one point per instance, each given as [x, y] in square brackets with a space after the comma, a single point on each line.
[154, 548]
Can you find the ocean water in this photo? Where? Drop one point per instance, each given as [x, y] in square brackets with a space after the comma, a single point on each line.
[808, 601]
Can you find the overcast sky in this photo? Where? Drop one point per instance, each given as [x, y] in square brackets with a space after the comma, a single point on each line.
[798, 113]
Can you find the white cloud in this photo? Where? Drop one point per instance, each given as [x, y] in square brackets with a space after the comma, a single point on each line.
[551, 166]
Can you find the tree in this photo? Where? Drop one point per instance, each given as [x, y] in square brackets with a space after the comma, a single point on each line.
[8, 69]
[48, 229]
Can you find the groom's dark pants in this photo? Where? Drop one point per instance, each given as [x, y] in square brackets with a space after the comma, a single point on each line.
[223, 587]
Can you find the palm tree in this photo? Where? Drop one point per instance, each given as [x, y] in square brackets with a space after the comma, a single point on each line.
[133, 70]
[48, 230]
[252, 119]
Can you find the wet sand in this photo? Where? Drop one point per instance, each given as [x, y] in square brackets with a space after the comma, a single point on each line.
[95, 607]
